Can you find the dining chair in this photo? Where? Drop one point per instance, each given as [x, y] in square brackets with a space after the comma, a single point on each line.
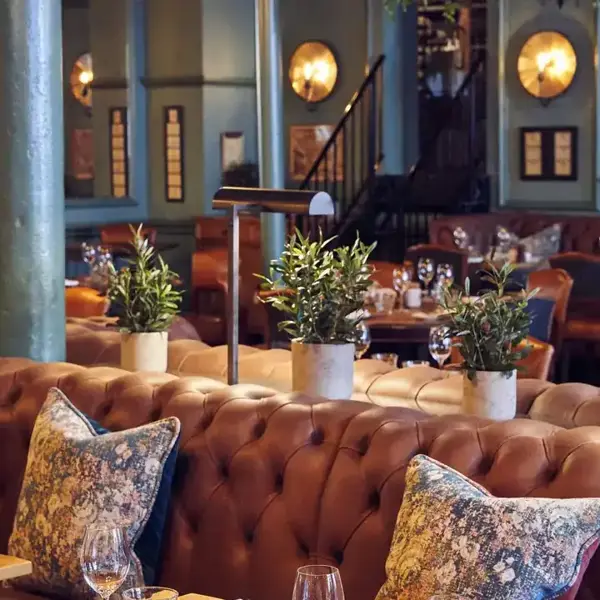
[583, 311]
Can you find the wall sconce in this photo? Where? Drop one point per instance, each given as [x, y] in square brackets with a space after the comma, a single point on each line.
[81, 79]
[546, 66]
[313, 71]
[236, 199]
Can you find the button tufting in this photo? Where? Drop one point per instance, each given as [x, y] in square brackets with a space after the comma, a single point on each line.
[303, 549]
[363, 445]
[338, 557]
[279, 483]
[485, 466]
[317, 437]
[259, 429]
[374, 500]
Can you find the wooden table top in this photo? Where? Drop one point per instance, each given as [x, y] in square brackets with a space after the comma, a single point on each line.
[11, 567]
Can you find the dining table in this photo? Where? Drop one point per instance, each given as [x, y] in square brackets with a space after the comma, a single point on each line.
[406, 325]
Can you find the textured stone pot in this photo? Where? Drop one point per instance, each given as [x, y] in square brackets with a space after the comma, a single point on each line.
[325, 370]
[491, 394]
[144, 351]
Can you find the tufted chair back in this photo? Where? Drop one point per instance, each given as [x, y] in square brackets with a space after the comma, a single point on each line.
[267, 483]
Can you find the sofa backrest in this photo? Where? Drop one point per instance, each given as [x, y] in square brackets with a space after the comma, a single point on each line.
[579, 233]
[267, 483]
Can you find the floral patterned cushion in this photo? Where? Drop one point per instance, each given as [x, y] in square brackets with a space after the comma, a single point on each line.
[75, 477]
[453, 537]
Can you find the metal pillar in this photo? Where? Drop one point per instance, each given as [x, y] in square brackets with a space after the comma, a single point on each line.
[271, 146]
[32, 231]
[396, 37]
[233, 296]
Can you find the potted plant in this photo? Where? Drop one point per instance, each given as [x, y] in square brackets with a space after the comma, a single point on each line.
[146, 301]
[322, 295]
[490, 331]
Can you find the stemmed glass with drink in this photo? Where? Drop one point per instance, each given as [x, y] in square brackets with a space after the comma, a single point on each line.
[401, 278]
[426, 271]
[445, 274]
[363, 340]
[318, 582]
[105, 559]
[440, 344]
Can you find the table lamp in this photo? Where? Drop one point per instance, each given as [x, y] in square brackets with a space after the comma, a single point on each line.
[236, 200]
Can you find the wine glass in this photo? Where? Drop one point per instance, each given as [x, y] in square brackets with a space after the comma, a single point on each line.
[104, 559]
[363, 340]
[401, 278]
[461, 238]
[425, 271]
[440, 344]
[445, 275]
[318, 582]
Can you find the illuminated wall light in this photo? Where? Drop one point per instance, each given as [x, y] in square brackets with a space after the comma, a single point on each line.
[313, 71]
[547, 64]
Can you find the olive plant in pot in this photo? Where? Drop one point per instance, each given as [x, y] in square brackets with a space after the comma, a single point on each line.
[322, 295]
[146, 301]
[490, 331]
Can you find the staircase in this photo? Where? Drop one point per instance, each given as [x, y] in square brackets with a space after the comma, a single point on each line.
[450, 174]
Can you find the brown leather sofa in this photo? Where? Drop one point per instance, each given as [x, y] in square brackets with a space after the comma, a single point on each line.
[420, 388]
[580, 233]
[266, 484]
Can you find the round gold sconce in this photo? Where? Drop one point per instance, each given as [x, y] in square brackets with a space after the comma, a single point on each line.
[313, 71]
[81, 79]
[547, 64]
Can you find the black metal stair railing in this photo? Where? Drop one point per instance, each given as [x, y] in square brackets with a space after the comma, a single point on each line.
[347, 165]
[447, 176]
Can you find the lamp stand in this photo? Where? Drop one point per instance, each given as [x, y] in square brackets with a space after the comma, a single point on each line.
[233, 295]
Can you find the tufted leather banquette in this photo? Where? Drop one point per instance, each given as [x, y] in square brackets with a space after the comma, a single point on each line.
[420, 388]
[579, 233]
[266, 483]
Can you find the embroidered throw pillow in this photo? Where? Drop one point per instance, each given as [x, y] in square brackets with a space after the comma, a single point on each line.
[453, 537]
[76, 477]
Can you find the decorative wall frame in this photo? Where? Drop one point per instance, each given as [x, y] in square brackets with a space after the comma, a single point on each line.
[174, 164]
[118, 146]
[548, 153]
[306, 143]
[232, 149]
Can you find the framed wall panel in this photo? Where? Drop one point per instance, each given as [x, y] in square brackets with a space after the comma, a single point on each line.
[119, 161]
[174, 147]
[548, 153]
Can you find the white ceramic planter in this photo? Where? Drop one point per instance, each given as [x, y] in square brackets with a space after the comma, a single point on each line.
[491, 394]
[325, 370]
[144, 351]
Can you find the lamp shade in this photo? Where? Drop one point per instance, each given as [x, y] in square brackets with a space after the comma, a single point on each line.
[300, 202]
[547, 64]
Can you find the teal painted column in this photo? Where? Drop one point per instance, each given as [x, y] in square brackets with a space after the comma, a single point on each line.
[396, 37]
[32, 233]
[271, 147]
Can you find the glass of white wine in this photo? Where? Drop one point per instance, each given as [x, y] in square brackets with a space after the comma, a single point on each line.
[105, 559]
[440, 344]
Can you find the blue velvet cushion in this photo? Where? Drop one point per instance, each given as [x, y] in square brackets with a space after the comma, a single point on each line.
[149, 543]
[541, 311]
